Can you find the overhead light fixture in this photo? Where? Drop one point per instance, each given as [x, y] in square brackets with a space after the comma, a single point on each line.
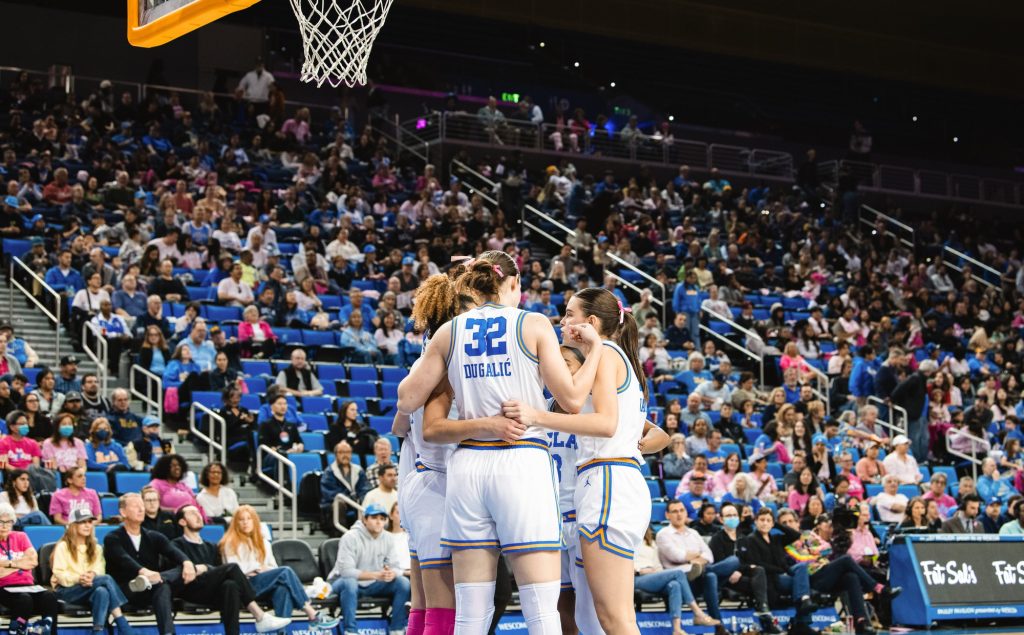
[671, 118]
[956, 139]
[542, 45]
[612, 84]
[576, 64]
[914, 118]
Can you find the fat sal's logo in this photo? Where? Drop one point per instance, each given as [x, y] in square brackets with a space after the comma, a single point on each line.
[1009, 573]
[948, 573]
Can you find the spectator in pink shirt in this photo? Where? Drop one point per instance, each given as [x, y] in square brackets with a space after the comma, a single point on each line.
[168, 475]
[937, 492]
[63, 451]
[73, 495]
[19, 452]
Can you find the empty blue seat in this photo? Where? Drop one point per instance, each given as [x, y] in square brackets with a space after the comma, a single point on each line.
[389, 390]
[312, 441]
[658, 511]
[388, 406]
[130, 482]
[654, 487]
[288, 336]
[362, 372]
[910, 491]
[382, 424]
[109, 507]
[312, 405]
[872, 489]
[103, 530]
[363, 389]
[671, 485]
[314, 421]
[212, 533]
[330, 372]
[217, 313]
[306, 462]
[393, 373]
[97, 481]
[256, 385]
[44, 534]
[210, 399]
[253, 367]
[318, 338]
[251, 402]
[31, 373]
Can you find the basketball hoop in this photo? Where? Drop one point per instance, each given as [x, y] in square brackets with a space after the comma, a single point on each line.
[337, 36]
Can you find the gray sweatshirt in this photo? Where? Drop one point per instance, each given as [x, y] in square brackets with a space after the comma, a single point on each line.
[358, 551]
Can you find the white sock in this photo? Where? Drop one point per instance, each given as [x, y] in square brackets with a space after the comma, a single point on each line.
[474, 607]
[540, 607]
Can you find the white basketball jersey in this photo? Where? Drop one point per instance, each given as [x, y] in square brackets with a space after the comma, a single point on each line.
[632, 414]
[562, 447]
[488, 363]
[433, 456]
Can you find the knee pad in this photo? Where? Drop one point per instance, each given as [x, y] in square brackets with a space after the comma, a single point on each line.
[416, 621]
[540, 607]
[474, 602]
[441, 622]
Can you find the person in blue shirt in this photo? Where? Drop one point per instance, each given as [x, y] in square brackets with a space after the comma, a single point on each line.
[203, 352]
[126, 425]
[356, 303]
[686, 299]
[221, 271]
[545, 308]
[129, 301]
[102, 453]
[697, 495]
[862, 377]
[66, 380]
[714, 454]
[21, 350]
[63, 278]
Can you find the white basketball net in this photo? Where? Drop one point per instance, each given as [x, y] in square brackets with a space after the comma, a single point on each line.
[337, 38]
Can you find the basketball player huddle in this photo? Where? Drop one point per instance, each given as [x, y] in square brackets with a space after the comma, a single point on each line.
[490, 466]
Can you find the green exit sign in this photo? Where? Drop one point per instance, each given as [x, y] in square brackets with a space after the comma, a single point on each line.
[621, 110]
[512, 97]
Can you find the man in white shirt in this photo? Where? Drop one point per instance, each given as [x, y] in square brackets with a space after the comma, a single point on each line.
[680, 547]
[267, 235]
[256, 84]
[231, 291]
[386, 492]
[714, 393]
[900, 463]
[167, 245]
[716, 306]
[890, 503]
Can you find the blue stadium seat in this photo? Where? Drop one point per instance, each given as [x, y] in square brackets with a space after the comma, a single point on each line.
[393, 373]
[645, 469]
[97, 481]
[16, 247]
[212, 533]
[382, 424]
[313, 441]
[671, 485]
[103, 530]
[658, 511]
[330, 372]
[31, 373]
[210, 399]
[256, 385]
[306, 462]
[330, 301]
[254, 367]
[872, 489]
[388, 406]
[130, 482]
[330, 388]
[362, 372]
[312, 405]
[109, 507]
[363, 389]
[318, 338]
[910, 491]
[314, 421]
[288, 336]
[44, 534]
[389, 390]
[729, 448]
[251, 402]
[217, 313]
[654, 487]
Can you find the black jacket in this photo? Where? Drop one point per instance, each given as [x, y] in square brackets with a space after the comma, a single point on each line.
[202, 553]
[910, 394]
[124, 561]
[770, 555]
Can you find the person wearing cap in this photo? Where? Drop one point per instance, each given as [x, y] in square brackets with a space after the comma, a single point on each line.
[18, 560]
[79, 574]
[114, 329]
[11, 220]
[901, 464]
[149, 446]
[697, 493]
[820, 459]
[67, 379]
[220, 586]
[368, 566]
[62, 277]
[993, 517]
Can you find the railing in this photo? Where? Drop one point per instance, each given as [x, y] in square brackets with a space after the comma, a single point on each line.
[902, 232]
[890, 424]
[976, 442]
[100, 355]
[19, 269]
[282, 492]
[336, 511]
[959, 261]
[154, 404]
[213, 419]
[823, 389]
[747, 333]
[528, 223]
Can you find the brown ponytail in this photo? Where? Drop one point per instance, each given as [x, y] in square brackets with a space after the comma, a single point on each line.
[485, 275]
[602, 304]
[442, 296]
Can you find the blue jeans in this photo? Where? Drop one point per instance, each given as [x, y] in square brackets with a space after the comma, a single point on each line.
[104, 596]
[693, 323]
[798, 584]
[349, 592]
[34, 518]
[917, 430]
[282, 587]
[668, 582]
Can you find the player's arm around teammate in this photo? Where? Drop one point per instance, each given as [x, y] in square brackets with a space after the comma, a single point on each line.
[654, 440]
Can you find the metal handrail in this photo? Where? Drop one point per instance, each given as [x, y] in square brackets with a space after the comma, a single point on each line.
[974, 262]
[153, 406]
[885, 423]
[743, 349]
[99, 356]
[646, 276]
[824, 389]
[58, 299]
[211, 443]
[282, 491]
[889, 220]
[336, 511]
[973, 456]
[718, 336]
